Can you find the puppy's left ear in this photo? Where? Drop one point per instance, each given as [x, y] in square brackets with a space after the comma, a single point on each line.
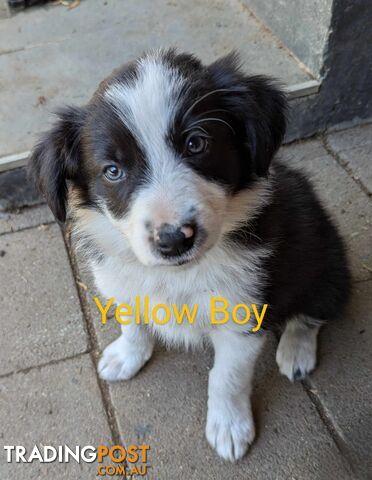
[56, 158]
[258, 105]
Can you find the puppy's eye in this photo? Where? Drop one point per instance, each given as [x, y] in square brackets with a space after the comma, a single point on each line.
[196, 144]
[113, 173]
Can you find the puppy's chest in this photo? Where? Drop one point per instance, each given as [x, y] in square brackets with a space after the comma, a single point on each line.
[237, 279]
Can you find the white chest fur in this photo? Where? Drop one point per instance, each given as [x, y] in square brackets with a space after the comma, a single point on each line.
[229, 272]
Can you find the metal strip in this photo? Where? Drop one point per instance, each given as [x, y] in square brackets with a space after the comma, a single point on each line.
[14, 161]
[303, 89]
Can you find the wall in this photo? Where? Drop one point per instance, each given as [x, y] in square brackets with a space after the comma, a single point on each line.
[302, 25]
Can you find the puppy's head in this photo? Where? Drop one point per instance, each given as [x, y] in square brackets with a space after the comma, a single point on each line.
[170, 152]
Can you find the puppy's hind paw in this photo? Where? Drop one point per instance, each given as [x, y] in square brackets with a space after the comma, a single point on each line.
[296, 353]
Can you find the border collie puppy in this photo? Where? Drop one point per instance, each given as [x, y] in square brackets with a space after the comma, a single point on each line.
[169, 176]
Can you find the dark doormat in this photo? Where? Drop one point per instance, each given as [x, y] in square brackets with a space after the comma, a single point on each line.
[20, 4]
[16, 191]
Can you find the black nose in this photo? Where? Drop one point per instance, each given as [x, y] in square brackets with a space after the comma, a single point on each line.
[173, 241]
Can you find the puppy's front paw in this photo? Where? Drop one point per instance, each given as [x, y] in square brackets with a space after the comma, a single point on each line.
[230, 431]
[121, 360]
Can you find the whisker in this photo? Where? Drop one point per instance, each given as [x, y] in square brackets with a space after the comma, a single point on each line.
[216, 110]
[255, 236]
[199, 128]
[218, 90]
[212, 119]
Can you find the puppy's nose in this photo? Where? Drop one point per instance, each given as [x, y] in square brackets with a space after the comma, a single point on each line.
[173, 241]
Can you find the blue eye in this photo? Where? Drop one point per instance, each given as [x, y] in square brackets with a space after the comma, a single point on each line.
[113, 173]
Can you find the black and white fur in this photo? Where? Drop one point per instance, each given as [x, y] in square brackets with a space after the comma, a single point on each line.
[259, 232]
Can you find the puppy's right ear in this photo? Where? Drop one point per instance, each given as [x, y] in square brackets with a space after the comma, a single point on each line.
[55, 159]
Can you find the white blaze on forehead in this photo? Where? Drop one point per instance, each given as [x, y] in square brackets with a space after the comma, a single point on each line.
[147, 104]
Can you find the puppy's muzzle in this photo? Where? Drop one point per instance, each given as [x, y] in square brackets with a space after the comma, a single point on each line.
[173, 241]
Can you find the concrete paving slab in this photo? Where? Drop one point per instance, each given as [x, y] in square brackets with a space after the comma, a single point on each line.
[165, 406]
[105, 333]
[353, 148]
[25, 218]
[350, 138]
[58, 404]
[343, 381]
[344, 199]
[71, 51]
[40, 310]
